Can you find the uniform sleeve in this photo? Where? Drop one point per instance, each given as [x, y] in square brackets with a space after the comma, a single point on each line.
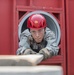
[51, 44]
[23, 44]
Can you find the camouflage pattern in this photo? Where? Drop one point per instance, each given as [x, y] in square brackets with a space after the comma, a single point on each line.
[27, 42]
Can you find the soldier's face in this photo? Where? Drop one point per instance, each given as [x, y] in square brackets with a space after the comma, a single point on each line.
[37, 34]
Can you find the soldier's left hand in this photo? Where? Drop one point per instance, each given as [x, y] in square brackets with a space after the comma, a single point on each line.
[45, 52]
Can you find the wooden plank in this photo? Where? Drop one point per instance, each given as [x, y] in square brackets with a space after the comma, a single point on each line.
[31, 70]
[20, 60]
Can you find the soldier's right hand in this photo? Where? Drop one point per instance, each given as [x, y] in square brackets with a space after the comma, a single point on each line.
[29, 51]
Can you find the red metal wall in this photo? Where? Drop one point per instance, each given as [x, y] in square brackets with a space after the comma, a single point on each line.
[6, 26]
[70, 35]
[11, 12]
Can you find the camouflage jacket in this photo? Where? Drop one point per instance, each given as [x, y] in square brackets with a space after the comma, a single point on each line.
[27, 42]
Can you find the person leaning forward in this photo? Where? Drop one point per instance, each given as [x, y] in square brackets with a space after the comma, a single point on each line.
[38, 38]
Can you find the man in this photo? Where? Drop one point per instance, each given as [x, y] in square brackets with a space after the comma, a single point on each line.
[38, 38]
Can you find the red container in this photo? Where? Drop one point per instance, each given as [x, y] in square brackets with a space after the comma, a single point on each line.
[12, 12]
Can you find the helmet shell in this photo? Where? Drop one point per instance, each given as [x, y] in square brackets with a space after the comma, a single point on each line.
[36, 21]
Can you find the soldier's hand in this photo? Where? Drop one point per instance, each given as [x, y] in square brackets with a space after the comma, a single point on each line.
[29, 51]
[45, 52]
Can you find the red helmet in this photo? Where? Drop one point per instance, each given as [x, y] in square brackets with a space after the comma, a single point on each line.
[36, 21]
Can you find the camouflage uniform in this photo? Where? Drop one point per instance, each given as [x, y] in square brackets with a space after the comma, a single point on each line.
[27, 42]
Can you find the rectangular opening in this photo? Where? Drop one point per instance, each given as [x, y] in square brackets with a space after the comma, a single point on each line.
[57, 15]
[21, 13]
[52, 64]
[59, 51]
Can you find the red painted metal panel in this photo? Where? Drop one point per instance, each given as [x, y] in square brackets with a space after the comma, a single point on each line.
[5, 26]
[70, 35]
[57, 9]
[11, 13]
[48, 3]
[23, 2]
